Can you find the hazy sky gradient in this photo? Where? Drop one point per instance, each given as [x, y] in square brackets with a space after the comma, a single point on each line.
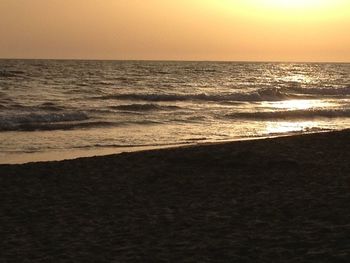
[267, 30]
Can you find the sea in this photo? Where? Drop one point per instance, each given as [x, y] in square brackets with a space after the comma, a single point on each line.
[86, 107]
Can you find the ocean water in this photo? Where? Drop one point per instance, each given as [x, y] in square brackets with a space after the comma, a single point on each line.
[53, 106]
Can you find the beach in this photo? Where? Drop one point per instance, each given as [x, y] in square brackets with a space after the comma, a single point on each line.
[270, 200]
[73, 108]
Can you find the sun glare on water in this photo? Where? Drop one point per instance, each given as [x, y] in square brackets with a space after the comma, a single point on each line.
[297, 104]
[274, 128]
[286, 127]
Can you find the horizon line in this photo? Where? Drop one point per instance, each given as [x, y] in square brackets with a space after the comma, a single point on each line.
[180, 60]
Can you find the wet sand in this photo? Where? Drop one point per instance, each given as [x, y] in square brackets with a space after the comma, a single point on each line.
[273, 200]
[21, 158]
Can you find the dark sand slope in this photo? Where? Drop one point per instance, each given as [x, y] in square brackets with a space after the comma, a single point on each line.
[274, 200]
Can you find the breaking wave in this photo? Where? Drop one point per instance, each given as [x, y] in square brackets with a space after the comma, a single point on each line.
[262, 95]
[267, 94]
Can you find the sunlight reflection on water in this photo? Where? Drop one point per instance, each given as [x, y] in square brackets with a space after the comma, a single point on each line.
[296, 126]
[289, 127]
[297, 78]
[299, 104]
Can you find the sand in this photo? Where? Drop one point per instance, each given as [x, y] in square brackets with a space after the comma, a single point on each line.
[21, 158]
[273, 200]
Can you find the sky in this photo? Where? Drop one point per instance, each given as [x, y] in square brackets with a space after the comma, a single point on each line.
[228, 30]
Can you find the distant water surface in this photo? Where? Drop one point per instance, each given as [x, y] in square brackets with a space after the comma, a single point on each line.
[49, 105]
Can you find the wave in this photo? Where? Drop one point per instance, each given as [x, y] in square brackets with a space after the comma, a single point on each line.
[56, 126]
[292, 114]
[145, 107]
[49, 106]
[59, 121]
[10, 73]
[271, 94]
[43, 107]
[29, 121]
[266, 94]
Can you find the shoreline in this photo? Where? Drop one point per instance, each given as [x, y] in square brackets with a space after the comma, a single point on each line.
[57, 156]
[63, 155]
[281, 199]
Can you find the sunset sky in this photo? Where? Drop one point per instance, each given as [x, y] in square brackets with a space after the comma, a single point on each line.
[249, 30]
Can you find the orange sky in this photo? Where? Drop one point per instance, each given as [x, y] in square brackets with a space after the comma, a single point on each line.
[258, 30]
